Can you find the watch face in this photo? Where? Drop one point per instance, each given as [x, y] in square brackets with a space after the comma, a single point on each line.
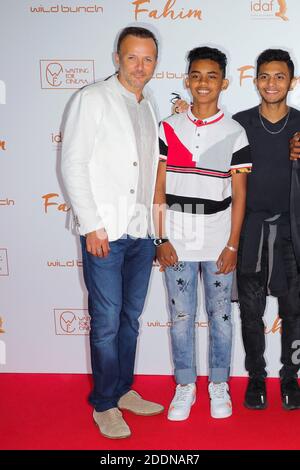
[159, 241]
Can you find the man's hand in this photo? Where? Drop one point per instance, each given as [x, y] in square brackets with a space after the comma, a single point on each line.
[227, 261]
[295, 147]
[180, 106]
[97, 243]
[166, 255]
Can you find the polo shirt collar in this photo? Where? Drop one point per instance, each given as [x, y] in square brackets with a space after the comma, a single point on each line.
[205, 122]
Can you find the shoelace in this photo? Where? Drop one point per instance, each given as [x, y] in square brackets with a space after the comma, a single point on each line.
[182, 393]
[218, 390]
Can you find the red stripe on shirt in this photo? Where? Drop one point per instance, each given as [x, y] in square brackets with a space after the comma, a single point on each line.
[178, 154]
[200, 123]
[199, 171]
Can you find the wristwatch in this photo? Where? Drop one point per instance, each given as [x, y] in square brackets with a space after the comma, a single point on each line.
[160, 241]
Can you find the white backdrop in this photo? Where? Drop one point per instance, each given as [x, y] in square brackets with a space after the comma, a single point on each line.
[48, 50]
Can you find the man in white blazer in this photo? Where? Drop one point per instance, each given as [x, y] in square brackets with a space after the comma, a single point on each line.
[109, 165]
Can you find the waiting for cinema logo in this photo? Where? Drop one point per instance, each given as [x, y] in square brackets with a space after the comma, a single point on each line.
[71, 321]
[270, 9]
[66, 74]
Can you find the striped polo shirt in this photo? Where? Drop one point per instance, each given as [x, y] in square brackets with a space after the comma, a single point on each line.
[201, 156]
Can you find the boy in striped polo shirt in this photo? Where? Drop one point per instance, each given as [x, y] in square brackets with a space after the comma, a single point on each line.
[199, 210]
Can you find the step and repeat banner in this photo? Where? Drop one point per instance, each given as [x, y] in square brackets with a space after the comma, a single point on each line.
[49, 50]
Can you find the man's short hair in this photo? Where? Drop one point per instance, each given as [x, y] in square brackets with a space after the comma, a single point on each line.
[202, 53]
[137, 32]
[278, 55]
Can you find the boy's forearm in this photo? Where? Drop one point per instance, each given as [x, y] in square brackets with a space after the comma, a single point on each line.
[239, 189]
[237, 218]
[159, 214]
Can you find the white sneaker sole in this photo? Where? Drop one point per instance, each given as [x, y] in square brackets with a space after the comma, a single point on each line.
[181, 418]
[216, 416]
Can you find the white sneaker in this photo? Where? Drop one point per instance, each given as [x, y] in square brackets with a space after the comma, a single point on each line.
[220, 402]
[184, 398]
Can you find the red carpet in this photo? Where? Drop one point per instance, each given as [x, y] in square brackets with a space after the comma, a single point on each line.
[39, 411]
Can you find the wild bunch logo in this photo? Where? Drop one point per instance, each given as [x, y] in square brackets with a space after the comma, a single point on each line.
[171, 9]
[274, 328]
[7, 202]
[66, 9]
[168, 324]
[169, 75]
[272, 9]
[70, 263]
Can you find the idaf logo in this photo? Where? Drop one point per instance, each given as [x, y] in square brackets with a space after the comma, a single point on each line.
[271, 9]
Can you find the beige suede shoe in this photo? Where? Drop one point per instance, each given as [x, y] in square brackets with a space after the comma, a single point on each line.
[111, 424]
[132, 401]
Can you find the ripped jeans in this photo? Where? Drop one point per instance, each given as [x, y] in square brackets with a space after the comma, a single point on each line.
[182, 286]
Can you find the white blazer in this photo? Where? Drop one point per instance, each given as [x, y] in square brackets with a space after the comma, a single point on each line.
[98, 159]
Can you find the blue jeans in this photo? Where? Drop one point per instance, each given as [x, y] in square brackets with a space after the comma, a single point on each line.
[117, 287]
[182, 282]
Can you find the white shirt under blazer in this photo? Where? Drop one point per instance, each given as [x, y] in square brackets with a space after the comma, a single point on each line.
[99, 159]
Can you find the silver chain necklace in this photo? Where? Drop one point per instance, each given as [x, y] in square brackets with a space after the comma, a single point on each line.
[274, 132]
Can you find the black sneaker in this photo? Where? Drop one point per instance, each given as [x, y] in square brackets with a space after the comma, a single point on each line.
[256, 394]
[290, 394]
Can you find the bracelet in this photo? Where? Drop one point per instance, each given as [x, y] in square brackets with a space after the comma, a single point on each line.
[231, 248]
